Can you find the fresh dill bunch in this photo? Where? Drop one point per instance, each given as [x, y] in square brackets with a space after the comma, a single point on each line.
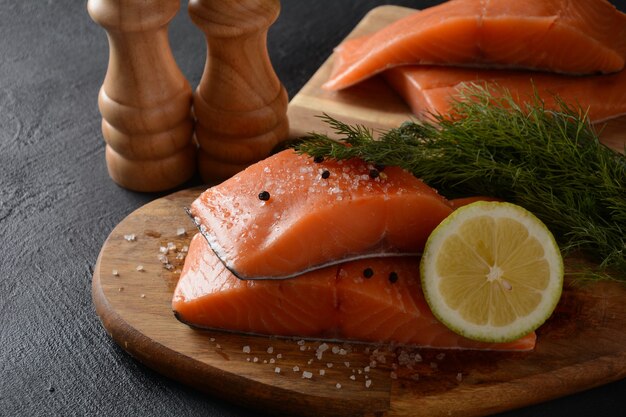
[549, 161]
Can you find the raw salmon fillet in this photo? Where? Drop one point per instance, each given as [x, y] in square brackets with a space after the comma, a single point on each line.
[310, 221]
[564, 36]
[430, 90]
[336, 302]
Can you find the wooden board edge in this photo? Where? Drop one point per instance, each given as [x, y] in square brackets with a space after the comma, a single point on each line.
[515, 394]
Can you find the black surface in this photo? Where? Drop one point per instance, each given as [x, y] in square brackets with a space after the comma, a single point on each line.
[57, 206]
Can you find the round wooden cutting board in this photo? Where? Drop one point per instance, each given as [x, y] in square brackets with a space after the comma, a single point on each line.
[583, 345]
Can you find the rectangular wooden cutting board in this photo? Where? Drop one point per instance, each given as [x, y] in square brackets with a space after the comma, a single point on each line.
[583, 345]
[373, 103]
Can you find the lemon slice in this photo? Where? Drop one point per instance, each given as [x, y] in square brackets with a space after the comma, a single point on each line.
[492, 272]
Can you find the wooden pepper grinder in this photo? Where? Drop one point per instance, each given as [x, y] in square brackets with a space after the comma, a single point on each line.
[145, 100]
[240, 105]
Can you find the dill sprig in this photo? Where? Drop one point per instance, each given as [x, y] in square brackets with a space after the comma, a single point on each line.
[549, 161]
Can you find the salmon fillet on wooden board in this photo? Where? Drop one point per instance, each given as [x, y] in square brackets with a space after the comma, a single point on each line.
[314, 214]
[431, 90]
[368, 300]
[563, 36]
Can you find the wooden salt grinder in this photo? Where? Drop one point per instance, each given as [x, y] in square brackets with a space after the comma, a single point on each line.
[145, 100]
[240, 105]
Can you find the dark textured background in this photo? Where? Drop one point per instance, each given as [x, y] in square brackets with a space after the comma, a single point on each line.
[57, 206]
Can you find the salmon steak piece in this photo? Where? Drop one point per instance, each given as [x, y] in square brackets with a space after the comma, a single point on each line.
[563, 36]
[431, 90]
[368, 300]
[289, 214]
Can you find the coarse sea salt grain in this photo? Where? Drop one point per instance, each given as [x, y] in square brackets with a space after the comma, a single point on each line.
[335, 349]
[139, 268]
[296, 368]
[352, 377]
[277, 370]
[300, 342]
[320, 351]
[322, 372]
[368, 383]
[255, 359]
[272, 360]
[338, 385]
[270, 350]
[329, 365]
[279, 356]
[163, 249]
[131, 237]
[181, 231]
[115, 273]
[459, 377]
[246, 349]
[307, 374]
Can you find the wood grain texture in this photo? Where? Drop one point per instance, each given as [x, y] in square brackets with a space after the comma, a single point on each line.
[373, 102]
[583, 345]
[145, 100]
[240, 104]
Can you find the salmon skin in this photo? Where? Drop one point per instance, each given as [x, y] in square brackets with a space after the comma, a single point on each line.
[372, 300]
[431, 90]
[288, 215]
[563, 36]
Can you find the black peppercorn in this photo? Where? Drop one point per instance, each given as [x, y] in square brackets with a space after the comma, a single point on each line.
[264, 196]
[393, 277]
[368, 273]
[326, 174]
